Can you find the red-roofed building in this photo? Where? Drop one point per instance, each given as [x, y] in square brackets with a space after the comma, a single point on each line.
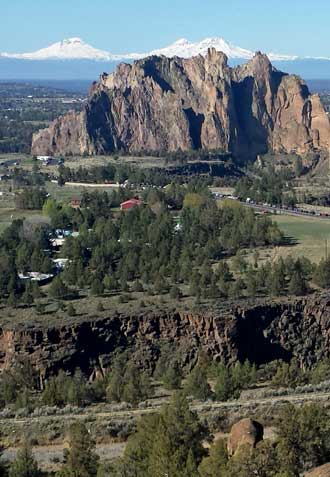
[129, 204]
[75, 203]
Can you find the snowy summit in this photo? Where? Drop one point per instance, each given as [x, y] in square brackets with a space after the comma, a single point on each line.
[186, 49]
[77, 49]
[69, 49]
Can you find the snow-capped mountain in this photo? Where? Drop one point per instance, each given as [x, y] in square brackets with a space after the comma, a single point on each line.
[186, 49]
[75, 59]
[69, 49]
[77, 49]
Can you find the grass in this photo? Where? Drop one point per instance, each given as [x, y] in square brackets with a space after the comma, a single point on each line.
[305, 237]
[67, 192]
[7, 215]
[308, 236]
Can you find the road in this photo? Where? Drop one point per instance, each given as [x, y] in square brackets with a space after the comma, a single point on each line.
[279, 210]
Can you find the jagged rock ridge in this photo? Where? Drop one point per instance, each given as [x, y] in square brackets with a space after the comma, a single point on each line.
[167, 104]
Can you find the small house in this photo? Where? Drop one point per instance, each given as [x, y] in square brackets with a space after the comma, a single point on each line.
[130, 204]
[75, 203]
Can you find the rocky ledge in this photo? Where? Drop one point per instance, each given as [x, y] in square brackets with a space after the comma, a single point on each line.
[260, 333]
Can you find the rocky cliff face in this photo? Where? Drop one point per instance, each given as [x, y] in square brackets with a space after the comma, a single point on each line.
[161, 103]
[259, 333]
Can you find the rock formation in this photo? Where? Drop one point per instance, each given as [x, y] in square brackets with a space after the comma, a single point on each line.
[245, 432]
[166, 104]
[260, 333]
[323, 471]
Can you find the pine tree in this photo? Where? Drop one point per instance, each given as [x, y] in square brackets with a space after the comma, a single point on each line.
[297, 284]
[58, 289]
[177, 442]
[80, 459]
[24, 465]
[197, 384]
[214, 465]
[225, 386]
[97, 287]
[172, 377]
[71, 311]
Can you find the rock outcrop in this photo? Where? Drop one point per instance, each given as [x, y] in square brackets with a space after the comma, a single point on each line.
[323, 471]
[167, 104]
[245, 432]
[260, 333]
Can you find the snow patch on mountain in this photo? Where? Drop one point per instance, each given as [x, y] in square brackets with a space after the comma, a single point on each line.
[186, 49]
[77, 49]
[69, 49]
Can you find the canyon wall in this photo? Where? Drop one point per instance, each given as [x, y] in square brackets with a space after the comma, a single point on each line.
[260, 333]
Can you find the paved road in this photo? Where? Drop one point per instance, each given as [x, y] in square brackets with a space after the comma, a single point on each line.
[281, 210]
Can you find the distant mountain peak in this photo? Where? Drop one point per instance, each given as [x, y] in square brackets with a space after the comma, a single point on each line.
[77, 49]
[68, 49]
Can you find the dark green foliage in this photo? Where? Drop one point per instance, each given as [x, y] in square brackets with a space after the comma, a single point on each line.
[58, 288]
[31, 198]
[169, 443]
[127, 383]
[214, 465]
[97, 287]
[197, 384]
[322, 274]
[140, 246]
[230, 381]
[290, 375]
[268, 186]
[63, 389]
[80, 459]
[172, 377]
[16, 382]
[321, 372]
[175, 292]
[71, 311]
[24, 465]
[303, 437]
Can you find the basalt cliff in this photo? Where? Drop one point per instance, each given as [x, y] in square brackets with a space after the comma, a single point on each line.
[261, 332]
[167, 104]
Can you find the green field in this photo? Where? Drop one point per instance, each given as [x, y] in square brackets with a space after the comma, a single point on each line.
[309, 236]
[67, 192]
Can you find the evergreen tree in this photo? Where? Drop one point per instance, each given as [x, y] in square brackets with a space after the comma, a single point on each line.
[197, 384]
[71, 311]
[24, 465]
[97, 287]
[303, 437]
[297, 284]
[214, 465]
[80, 459]
[58, 289]
[322, 274]
[225, 386]
[173, 377]
[177, 442]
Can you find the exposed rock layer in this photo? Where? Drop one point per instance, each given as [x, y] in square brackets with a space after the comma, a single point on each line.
[323, 471]
[259, 333]
[245, 432]
[163, 104]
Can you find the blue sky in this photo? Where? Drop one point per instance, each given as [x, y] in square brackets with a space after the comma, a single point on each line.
[287, 26]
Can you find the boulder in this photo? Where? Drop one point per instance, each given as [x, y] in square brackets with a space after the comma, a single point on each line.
[322, 471]
[245, 432]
